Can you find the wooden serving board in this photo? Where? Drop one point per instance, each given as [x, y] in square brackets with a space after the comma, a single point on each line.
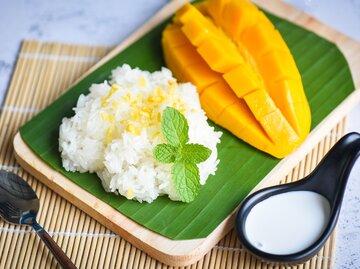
[184, 252]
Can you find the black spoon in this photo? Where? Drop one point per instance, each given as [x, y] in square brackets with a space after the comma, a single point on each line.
[329, 179]
[20, 205]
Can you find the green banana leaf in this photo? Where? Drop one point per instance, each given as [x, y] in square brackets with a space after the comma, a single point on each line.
[327, 81]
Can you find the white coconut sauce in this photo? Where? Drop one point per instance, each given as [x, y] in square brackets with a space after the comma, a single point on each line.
[287, 223]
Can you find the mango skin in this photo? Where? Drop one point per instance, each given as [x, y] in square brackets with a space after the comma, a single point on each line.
[246, 77]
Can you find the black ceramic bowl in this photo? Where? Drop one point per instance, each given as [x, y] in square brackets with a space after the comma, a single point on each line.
[328, 179]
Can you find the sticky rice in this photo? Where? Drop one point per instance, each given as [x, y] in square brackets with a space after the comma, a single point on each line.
[117, 125]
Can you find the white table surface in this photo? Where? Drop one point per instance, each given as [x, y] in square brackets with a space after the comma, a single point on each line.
[108, 22]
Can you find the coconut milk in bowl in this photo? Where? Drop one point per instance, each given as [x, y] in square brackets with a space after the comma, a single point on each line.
[288, 224]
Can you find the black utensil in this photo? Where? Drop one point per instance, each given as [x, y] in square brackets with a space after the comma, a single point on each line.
[329, 179]
[20, 205]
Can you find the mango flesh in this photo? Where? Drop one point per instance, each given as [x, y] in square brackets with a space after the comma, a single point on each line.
[246, 77]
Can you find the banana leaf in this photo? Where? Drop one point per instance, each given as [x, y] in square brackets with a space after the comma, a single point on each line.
[327, 81]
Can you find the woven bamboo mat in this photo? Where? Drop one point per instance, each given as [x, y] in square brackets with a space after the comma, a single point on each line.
[42, 73]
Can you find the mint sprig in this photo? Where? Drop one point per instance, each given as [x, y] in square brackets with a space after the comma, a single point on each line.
[165, 153]
[195, 153]
[174, 127]
[184, 156]
[186, 180]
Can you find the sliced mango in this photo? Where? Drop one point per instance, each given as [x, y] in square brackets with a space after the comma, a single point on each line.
[281, 131]
[186, 56]
[291, 100]
[263, 38]
[175, 37]
[239, 119]
[259, 103]
[215, 8]
[246, 76]
[221, 56]
[201, 75]
[277, 65]
[199, 31]
[242, 80]
[240, 15]
[216, 98]
[302, 124]
[202, 7]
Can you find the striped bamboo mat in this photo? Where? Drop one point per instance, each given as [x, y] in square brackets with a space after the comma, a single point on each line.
[43, 72]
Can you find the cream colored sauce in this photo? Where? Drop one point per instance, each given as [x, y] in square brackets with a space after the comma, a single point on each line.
[287, 223]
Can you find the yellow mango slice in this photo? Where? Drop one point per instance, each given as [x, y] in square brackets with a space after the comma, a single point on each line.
[216, 98]
[259, 103]
[255, 136]
[185, 63]
[265, 111]
[239, 15]
[198, 32]
[202, 7]
[281, 131]
[238, 116]
[200, 29]
[239, 119]
[201, 75]
[287, 91]
[175, 37]
[242, 80]
[185, 56]
[169, 59]
[262, 19]
[215, 8]
[277, 65]
[303, 124]
[220, 56]
[185, 13]
[262, 38]
[246, 76]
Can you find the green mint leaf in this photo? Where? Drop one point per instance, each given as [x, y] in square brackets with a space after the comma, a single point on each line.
[186, 180]
[165, 153]
[195, 153]
[174, 127]
[184, 171]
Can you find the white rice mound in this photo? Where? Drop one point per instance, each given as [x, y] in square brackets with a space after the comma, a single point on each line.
[117, 125]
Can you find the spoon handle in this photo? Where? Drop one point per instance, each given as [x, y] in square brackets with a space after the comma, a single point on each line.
[60, 256]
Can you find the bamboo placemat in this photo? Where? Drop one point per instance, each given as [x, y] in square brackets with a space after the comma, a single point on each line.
[43, 72]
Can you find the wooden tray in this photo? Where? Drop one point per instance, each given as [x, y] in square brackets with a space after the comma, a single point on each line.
[184, 252]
